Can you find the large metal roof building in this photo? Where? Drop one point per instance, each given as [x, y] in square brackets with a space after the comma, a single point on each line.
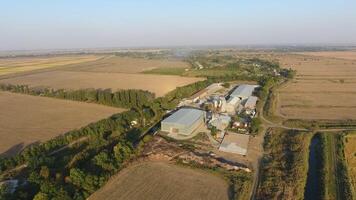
[243, 91]
[183, 122]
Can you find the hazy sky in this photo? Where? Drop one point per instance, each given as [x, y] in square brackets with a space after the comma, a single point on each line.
[50, 24]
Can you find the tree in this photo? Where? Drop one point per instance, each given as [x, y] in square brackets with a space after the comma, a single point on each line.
[44, 172]
[41, 196]
[255, 125]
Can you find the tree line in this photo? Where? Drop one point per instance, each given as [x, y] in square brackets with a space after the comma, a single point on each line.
[121, 98]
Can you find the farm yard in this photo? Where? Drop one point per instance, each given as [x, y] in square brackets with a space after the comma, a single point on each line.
[158, 84]
[324, 88]
[159, 180]
[25, 64]
[28, 119]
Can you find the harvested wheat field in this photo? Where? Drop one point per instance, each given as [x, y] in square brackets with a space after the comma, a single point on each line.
[158, 84]
[324, 88]
[350, 156]
[349, 55]
[24, 64]
[157, 180]
[117, 64]
[26, 119]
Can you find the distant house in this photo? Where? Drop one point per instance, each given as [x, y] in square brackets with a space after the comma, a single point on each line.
[183, 122]
[243, 91]
[235, 143]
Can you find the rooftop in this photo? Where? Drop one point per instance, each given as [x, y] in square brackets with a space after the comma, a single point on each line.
[251, 102]
[185, 116]
[243, 91]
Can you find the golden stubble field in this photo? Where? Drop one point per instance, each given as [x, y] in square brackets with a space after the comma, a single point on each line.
[105, 72]
[158, 180]
[117, 64]
[324, 88]
[26, 119]
[158, 84]
[25, 64]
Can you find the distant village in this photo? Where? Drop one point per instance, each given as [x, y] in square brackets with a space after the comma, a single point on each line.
[221, 110]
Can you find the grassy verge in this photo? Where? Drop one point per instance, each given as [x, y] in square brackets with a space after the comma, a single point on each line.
[284, 166]
[328, 167]
[343, 182]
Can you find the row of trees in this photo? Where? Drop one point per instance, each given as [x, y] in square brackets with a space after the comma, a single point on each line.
[88, 157]
[121, 98]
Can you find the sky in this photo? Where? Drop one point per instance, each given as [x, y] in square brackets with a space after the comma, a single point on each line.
[63, 24]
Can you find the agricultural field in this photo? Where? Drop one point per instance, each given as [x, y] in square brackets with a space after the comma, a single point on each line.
[158, 84]
[348, 55]
[350, 157]
[25, 64]
[28, 119]
[118, 64]
[324, 88]
[157, 180]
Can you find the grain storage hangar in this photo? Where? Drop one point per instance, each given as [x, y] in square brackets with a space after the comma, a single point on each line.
[183, 122]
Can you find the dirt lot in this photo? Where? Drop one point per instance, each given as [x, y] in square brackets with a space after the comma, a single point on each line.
[158, 180]
[350, 155]
[159, 84]
[325, 88]
[23, 64]
[349, 55]
[26, 119]
[116, 64]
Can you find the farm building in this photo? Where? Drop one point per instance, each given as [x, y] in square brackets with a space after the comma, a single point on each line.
[206, 91]
[243, 91]
[235, 143]
[232, 104]
[250, 103]
[183, 122]
[221, 122]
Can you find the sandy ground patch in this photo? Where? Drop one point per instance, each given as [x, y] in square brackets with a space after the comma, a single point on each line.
[157, 180]
[25, 119]
[159, 84]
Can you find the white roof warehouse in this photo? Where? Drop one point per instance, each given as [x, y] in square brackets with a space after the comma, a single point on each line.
[183, 122]
[243, 91]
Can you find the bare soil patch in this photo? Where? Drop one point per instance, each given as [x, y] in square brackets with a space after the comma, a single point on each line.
[158, 180]
[26, 119]
[117, 64]
[158, 84]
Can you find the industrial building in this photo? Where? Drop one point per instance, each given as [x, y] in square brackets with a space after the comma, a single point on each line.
[183, 122]
[243, 91]
[206, 91]
[221, 122]
[250, 103]
[235, 143]
[232, 104]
